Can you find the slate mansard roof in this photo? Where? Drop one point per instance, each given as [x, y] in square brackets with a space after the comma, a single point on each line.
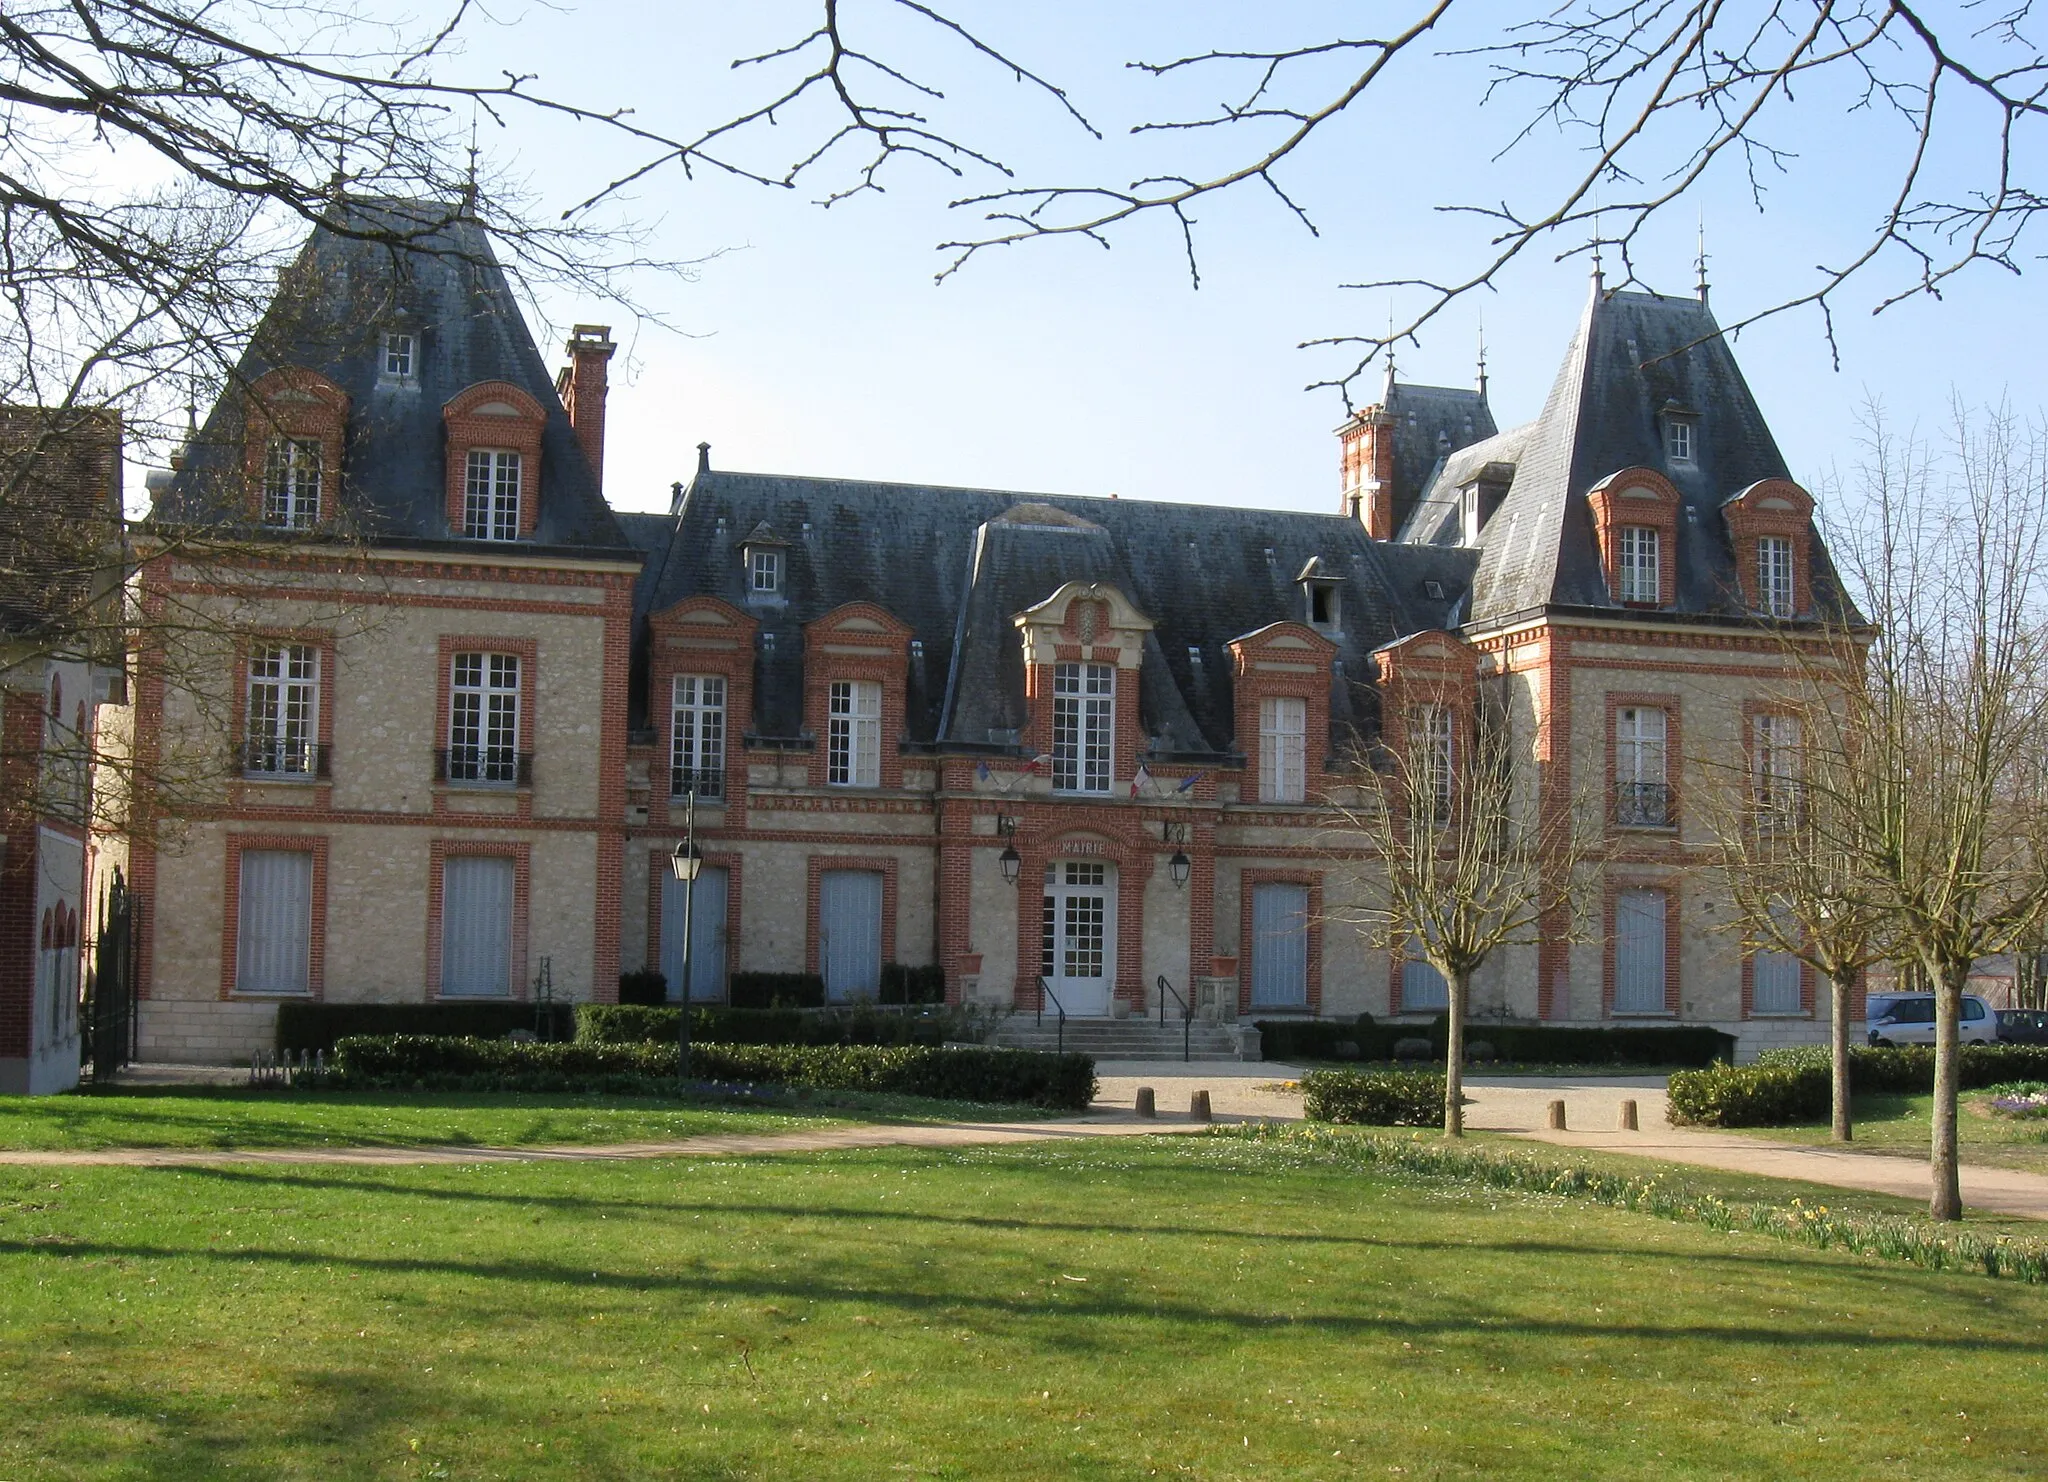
[957, 565]
[375, 267]
[1637, 357]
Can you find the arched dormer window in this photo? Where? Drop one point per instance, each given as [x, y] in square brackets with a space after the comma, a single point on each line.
[294, 420]
[493, 442]
[1770, 525]
[1635, 521]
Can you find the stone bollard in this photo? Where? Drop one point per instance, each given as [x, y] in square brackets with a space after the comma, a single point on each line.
[1628, 1117]
[1198, 1107]
[1146, 1105]
[1557, 1116]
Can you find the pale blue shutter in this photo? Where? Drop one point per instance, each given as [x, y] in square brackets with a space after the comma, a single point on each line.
[1775, 986]
[1639, 928]
[1422, 987]
[274, 934]
[850, 920]
[476, 927]
[707, 945]
[1279, 946]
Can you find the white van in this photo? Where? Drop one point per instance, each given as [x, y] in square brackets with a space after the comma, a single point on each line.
[1908, 1019]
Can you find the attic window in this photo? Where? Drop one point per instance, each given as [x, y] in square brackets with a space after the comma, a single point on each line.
[764, 572]
[398, 355]
[1195, 654]
[1323, 605]
[1433, 590]
[1678, 439]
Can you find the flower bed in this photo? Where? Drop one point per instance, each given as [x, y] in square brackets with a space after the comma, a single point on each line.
[2025, 1101]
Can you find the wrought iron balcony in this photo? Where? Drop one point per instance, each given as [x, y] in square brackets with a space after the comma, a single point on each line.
[483, 766]
[708, 783]
[269, 759]
[1643, 805]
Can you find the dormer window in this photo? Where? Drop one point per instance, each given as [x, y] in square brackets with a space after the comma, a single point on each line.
[764, 572]
[1321, 596]
[1639, 565]
[291, 483]
[1679, 439]
[490, 505]
[398, 360]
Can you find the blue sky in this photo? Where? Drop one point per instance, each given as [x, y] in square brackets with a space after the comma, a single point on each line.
[815, 342]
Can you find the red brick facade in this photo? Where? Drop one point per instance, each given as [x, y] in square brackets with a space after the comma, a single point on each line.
[1640, 498]
[1772, 507]
[498, 416]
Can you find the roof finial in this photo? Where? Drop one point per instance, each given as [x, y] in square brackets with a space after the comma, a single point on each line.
[469, 184]
[1482, 357]
[1700, 262]
[1387, 395]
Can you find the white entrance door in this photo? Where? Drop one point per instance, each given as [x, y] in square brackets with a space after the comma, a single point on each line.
[850, 933]
[1079, 954]
[707, 939]
[1279, 946]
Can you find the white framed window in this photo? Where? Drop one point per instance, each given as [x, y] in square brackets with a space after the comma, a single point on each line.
[1774, 758]
[490, 500]
[281, 738]
[1283, 750]
[853, 752]
[1642, 792]
[1678, 439]
[1640, 579]
[274, 922]
[696, 755]
[1774, 574]
[291, 483]
[1434, 730]
[483, 719]
[764, 572]
[398, 354]
[1083, 726]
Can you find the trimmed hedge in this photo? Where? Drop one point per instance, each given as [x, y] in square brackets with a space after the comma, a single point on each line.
[1374, 1098]
[646, 986]
[1675, 1044]
[406, 1062]
[906, 985]
[1747, 1095]
[630, 1024]
[777, 991]
[318, 1026]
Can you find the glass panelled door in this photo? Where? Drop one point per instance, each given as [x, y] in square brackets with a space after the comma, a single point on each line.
[850, 933]
[707, 939]
[1280, 946]
[1078, 957]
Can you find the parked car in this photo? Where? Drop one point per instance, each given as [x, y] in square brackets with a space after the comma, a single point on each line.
[2023, 1026]
[1908, 1019]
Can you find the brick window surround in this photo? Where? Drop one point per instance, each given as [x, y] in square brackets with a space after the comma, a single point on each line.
[1427, 669]
[1610, 897]
[439, 852]
[700, 635]
[658, 867]
[496, 415]
[858, 641]
[1808, 990]
[814, 869]
[1643, 498]
[231, 909]
[292, 402]
[1085, 623]
[1674, 753]
[1283, 661]
[527, 651]
[320, 640]
[1772, 507]
[1099, 832]
[1248, 881]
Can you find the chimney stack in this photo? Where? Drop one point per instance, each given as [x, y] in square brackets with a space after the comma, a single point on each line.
[587, 381]
[1367, 465]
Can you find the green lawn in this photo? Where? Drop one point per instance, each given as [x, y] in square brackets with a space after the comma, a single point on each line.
[1185, 1307]
[224, 1118]
[1885, 1122]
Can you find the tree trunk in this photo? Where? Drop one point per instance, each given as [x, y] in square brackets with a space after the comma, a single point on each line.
[1838, 1048]
[1459, 985]
[1947, 1200]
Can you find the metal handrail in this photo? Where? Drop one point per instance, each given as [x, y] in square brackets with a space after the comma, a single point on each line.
[1187, 1015]
[1045, 992]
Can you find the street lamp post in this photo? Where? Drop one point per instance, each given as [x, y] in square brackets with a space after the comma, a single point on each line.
[686, 861]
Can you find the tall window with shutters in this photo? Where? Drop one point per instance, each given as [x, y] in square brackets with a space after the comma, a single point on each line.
[1642, 791]
[1640, 579]
[1774, 767]
[696, 758]
[490, 505]
[291, 483]
[853, 756]
[274, 925]
[1283, 750]
[281, 734]
[483, 720]
[477, 918]
[1083, 726]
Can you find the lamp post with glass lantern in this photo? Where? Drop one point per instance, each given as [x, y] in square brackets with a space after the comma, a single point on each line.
[686, 861]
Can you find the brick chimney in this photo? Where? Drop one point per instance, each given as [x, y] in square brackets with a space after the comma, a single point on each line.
[584, 385]
[1366, 460]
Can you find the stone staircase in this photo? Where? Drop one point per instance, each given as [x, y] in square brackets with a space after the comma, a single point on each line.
[1120, 1039]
